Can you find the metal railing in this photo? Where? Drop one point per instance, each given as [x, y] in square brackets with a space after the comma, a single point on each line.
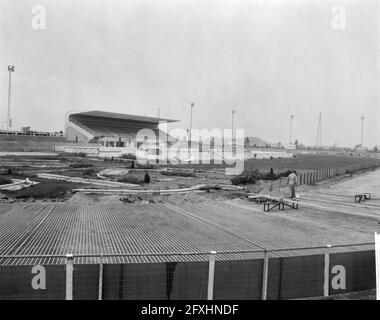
[82, 126]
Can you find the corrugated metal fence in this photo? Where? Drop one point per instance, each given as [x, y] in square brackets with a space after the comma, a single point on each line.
[314, 176]
[260, 274]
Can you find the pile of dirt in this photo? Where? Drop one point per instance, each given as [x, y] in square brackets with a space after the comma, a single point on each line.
[80, 198]
[177, 198]
[107, 199]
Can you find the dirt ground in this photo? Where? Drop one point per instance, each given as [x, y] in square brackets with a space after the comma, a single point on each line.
[327, 213]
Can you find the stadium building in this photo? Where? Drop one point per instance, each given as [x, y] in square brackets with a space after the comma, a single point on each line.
[113, 130]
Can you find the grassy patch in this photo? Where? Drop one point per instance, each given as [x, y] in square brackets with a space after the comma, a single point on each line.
[178, 173]
[81, 165]
[4, 180]
[45, 189]
[134, 178]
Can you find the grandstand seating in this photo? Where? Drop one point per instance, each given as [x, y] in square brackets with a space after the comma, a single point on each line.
[107, 128]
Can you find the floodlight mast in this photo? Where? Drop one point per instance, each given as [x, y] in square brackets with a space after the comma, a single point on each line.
[11, 69]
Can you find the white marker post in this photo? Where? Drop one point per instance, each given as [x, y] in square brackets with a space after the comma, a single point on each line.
[211, 275]
[326, 282]
[377, 259]
[69, 276]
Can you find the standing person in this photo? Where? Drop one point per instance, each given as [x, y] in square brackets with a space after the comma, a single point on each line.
[292, 183]
[146, 177]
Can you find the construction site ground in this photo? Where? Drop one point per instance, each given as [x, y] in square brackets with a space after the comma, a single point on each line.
[186, 222]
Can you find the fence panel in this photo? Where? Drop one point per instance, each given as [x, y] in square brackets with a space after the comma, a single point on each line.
[358, 272]
[190, 280]
[86, 281]
[139, 281]
[292, 273]
[296, 277]
[241, 279]
[32, 282]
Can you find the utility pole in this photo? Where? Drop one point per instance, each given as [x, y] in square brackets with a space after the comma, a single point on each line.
[291, 128]
[9, 120]
[361, 138]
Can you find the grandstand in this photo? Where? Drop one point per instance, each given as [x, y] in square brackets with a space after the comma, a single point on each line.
[110, 129]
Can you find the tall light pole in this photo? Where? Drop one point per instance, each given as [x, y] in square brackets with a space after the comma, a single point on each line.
[232, 126]
[291, 128]
[191, 120]
[361, 138]
[232, 142]
[9, 121]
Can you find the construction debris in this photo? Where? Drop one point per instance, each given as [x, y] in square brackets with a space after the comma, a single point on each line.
[271, 202]
[18, 184]
[102, 183]
[197, 188]
[362, 196]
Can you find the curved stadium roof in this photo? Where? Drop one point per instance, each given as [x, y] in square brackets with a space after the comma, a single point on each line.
[121, 116]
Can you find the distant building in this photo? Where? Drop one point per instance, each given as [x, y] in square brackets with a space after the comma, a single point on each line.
[359, 148]
[291, 146]
[108, 129]
[25, 131]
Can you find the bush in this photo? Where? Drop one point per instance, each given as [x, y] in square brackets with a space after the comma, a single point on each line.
[89, 172]
[178, 173]
[81, 165]
[144, 166]
[129, 178]
[253, 176]
[244, 178]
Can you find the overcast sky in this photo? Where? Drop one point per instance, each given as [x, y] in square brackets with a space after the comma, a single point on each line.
[265, 59]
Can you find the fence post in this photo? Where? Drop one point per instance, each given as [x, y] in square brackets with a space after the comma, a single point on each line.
[100, 292]
[377, 264]
[69, 276]
[211, 275]
[264, 290]
[326, 284]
